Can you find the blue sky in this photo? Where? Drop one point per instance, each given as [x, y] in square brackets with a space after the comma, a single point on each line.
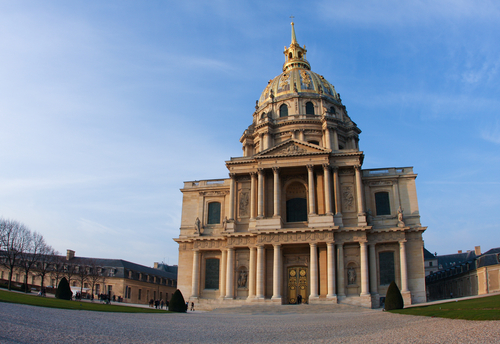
[107, 107]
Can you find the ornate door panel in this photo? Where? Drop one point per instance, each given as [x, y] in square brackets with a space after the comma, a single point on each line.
[298, 283]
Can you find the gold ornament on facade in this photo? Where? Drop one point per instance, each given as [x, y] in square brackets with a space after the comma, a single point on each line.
[306, 79]
[285, 80]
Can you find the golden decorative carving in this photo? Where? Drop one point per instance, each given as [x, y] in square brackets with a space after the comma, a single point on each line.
[306, 79]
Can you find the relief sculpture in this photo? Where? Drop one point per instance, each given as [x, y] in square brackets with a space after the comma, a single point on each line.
[347, 198]
[244, 201]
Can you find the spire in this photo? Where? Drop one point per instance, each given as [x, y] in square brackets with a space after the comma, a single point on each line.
[295, 55]
[294, 39]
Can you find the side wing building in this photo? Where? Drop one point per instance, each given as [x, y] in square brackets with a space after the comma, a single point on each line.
[299, 219]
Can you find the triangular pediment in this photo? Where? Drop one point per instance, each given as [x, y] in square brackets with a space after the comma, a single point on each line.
[292, 147]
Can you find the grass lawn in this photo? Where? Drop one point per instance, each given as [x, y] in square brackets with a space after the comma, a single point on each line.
[485, 308]
[33, 300]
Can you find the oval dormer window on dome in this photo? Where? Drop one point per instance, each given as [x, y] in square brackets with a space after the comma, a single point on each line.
[284, 110]
[263, 116]
[309, 108]
[332, 110]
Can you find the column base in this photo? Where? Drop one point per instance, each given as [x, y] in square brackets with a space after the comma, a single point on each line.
[269, 223]
[362, 220]
[406, 297]
[315, 220]
[337, 219]
[228, 298]
[276, 299]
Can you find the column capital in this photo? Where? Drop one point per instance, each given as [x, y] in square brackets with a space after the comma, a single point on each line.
[276, 245]
[313, 244]
[335, 169]
[330, 243]
[310, 167]
[402, 242]
[260, 170]
[232, 175]
[253, 173]
[357, 167]
[276, 169]
[326, 166]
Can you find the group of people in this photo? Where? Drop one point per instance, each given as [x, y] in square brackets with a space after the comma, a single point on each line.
[192, 306]
[158, 304]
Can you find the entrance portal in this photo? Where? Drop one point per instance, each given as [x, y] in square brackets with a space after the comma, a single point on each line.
[298, 284]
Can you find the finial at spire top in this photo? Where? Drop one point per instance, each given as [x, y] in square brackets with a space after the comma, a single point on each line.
[294, 39]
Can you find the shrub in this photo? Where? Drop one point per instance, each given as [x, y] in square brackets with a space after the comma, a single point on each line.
[177, 303]
[63, 290]
[393, 298]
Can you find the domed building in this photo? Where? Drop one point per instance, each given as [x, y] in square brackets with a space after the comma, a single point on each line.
[298, 219]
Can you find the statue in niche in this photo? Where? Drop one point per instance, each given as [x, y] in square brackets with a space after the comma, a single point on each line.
[224, 223]
[400, 217]
[242, 279]
[197, 226]
[351, 276]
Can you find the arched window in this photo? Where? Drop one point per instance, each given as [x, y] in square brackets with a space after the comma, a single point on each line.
[213, 213]
[290, 56]
[263, 115]
[332, 110]
[309, 108]
[382, 203]
[284, 110]
[296, 203]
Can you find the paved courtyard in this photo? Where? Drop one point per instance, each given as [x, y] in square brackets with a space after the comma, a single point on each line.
[290, 324]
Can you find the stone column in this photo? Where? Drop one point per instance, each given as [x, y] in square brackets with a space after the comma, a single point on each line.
[251, 273]
[335, 140]
[195, 287]
[223, 269]
[363, 256]
[340, 269]
[328, 189]
[260, 193]
[328, 139]
[373, 269]
[404, 272]
[230, 274]
[277, 272]
[253, 182]
[336, 186]
[277, 191]
[314, 270]
[330, 257]
[310, 178]
[231, 196]
[359, 190]
[260, 272]
[301, 135]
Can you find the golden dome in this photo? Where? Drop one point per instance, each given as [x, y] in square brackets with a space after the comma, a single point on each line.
[297, 77]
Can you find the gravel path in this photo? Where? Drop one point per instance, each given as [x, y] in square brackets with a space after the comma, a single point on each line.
[28, 324]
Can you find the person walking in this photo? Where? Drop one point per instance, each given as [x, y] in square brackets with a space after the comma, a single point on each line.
[192, 306]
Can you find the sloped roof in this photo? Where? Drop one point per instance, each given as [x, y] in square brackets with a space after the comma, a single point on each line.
[428, 255]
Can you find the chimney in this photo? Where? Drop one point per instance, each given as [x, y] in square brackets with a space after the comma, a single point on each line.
[156, 265]
[459, 251]
[477, 250]
[70, 254]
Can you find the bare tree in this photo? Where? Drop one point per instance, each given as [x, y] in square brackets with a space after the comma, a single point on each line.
[35, 245]
[48, 256]
[94, 274]
[57, 269]
[70, 270]
[14, 239]
[82, 274]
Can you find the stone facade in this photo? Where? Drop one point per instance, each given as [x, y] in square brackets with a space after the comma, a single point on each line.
[298, 215]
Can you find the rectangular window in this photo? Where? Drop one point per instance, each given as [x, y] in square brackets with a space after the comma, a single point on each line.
[386, 266]
[139, 295]
[129, 294]
[382, 204]
[97, 289]
[212, 273]
[213, 213]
